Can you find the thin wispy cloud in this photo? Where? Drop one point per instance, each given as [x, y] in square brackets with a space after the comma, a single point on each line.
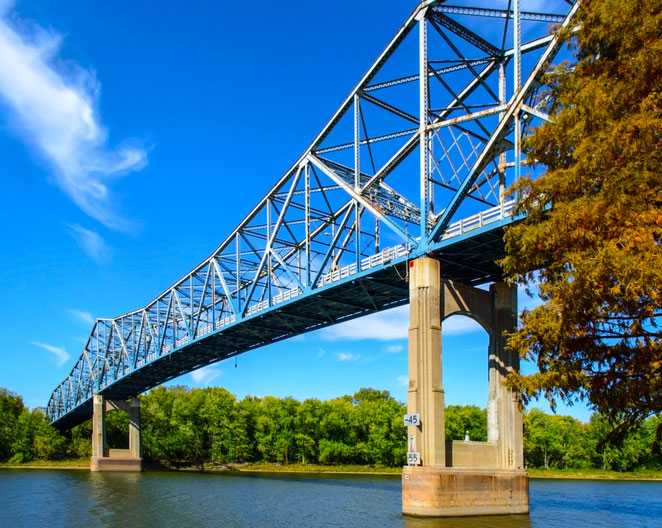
[52, 106]
[403, 381]
[394, 349]
[205, 375]
[347, 356]
[60, 354]
[460, 324]
[90, 242]
[84, 317]
[391, 325]
[383, 326]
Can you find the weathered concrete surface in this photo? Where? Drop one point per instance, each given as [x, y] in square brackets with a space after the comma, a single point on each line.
[425, 394]
[502, 401]
[462, 454]
[116, 463]
[453, 492]
[461, 478]
[104, 459]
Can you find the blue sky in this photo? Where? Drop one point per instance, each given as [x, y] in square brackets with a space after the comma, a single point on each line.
[134, 136]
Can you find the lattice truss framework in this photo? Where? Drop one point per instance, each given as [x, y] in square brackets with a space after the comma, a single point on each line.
[430, 135]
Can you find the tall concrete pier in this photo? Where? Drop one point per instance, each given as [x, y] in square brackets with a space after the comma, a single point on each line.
[105, 459]
[461, 478]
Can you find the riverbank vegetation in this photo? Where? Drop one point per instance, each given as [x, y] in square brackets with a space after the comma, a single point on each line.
[207, 428]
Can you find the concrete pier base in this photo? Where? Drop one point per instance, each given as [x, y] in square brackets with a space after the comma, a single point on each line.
[453, 492]
[452, 477]
[105, 459]
[116, 462]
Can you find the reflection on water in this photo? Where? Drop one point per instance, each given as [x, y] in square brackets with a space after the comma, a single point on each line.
[58, 498]
[497, 521]
[109, 491]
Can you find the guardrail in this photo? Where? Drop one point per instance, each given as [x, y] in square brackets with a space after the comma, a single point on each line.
[458, 228]
[479, 220]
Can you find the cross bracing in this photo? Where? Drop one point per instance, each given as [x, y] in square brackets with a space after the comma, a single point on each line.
[415, 161]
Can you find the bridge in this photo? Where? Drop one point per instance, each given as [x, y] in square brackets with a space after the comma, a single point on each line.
[413, 167]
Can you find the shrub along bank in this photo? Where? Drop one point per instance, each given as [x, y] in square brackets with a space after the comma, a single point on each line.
[183, 426]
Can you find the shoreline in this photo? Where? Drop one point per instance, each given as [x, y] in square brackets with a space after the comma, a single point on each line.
[31, 466]
[584, 477]
[317, 470]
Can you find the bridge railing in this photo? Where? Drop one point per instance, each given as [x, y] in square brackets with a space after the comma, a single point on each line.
[384, 257]
[479, 220]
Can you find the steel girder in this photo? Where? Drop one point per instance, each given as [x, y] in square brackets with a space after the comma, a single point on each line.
[330, 241]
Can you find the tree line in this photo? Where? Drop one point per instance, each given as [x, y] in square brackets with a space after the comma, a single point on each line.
[183, 426]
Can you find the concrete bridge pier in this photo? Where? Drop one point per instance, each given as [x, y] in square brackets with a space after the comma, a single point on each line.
[461, 478]
[105, 459]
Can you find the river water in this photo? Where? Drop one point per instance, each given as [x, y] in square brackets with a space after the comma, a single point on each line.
[61, 498]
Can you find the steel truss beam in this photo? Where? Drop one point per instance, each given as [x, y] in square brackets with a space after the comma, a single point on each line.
[314, 250]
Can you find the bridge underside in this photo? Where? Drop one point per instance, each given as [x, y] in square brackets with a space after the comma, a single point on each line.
[469, 260]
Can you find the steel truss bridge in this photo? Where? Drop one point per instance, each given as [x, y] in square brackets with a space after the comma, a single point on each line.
[414, 162]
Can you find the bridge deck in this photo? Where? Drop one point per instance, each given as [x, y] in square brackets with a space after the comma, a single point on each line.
[469, 259]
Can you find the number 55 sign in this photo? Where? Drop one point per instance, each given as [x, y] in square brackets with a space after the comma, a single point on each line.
[413, 459]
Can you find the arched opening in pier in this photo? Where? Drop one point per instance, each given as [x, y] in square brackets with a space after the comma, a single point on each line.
[117, 429]
[464, 346]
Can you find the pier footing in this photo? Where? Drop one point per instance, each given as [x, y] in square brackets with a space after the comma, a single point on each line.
[116, 463]
[452, 492]
[105, 459]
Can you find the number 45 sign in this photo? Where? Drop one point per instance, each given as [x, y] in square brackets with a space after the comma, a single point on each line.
[413, 419]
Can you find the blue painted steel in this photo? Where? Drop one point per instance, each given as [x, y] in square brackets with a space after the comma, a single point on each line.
[311, 253]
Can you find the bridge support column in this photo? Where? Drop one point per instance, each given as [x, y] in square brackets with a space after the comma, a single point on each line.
[105, 459]
[461, 478]
[425, 395]
[504, 416]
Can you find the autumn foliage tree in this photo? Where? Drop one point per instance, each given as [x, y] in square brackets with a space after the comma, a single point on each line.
[592, 237]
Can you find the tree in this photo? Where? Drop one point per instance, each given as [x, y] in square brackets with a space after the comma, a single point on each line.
[81, 440]
[636, 450]
[173, 425]
[48, 443]
[11, 407]
[244, 429]
[36, 438]
[463, 419]
[536, 438]
[23, 448]
[307, 429]
[218, 413]
[592, 236]
[381, 434]
[191, 438]
[338, 440]
[156, 423]
[117, 429]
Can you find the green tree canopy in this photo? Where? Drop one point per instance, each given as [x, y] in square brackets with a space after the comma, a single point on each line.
[463, 419]
[200, 426]
[592, 236]
[11, 407]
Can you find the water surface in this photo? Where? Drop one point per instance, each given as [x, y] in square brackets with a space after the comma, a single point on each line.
[61, 498]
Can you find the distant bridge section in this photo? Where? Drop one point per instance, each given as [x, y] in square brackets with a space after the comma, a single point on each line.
[414, 162]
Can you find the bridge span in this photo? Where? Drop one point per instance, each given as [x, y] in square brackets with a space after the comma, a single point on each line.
[132, 353]
[413, 166]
